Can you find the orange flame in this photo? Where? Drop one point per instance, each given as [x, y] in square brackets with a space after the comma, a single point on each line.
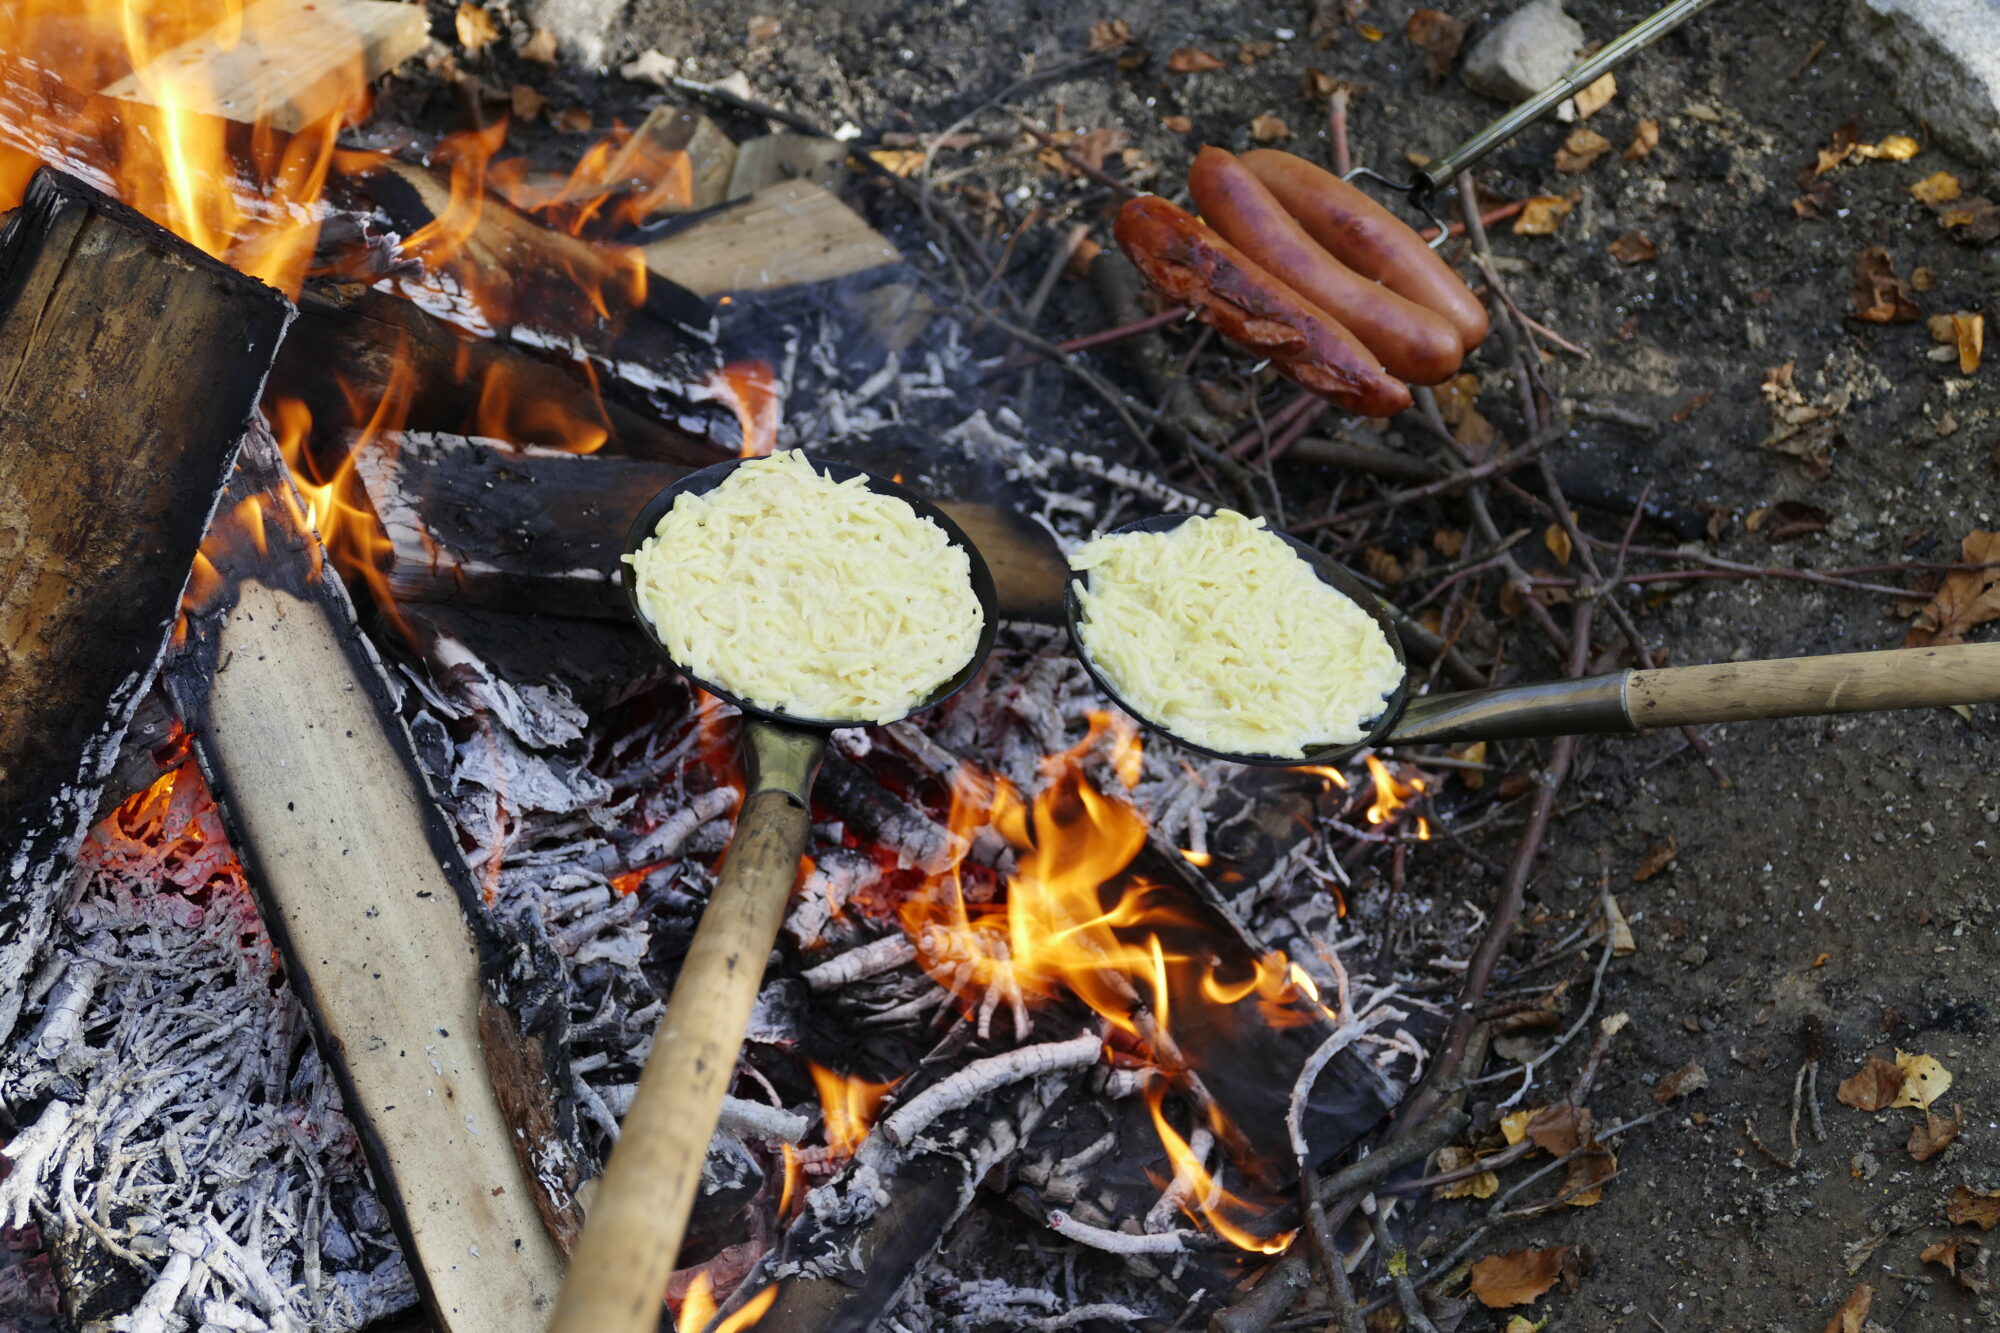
[622, 180]
[698, 1309]
[848, 1107]
[1327, 772]
[751, 390]
[1207, 1200]
[508, 413]
[1391, 794]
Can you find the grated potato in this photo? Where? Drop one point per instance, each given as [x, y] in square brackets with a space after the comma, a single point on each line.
[1221, 633]
[823, 600]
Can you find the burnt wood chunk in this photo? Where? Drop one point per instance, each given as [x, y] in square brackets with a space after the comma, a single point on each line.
[474, 522]
[130, 363]
[363, 886]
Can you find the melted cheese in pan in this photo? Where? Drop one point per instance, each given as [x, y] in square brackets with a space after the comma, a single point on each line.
[821, 599]
[1220, 633]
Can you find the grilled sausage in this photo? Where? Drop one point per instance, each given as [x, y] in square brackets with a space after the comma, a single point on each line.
[1413, 343]
[1368, 238]
[1190, 263]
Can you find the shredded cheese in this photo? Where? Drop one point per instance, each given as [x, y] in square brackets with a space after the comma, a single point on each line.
[823, 600]
[1220, 633]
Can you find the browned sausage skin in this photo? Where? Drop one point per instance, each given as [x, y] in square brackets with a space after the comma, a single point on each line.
[1188, 262]
[1368, 238]
[1413, 343]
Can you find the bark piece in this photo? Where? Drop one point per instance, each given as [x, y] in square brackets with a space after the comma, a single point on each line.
[131, 363]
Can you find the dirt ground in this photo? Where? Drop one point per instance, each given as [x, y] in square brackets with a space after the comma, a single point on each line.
[1847, 874]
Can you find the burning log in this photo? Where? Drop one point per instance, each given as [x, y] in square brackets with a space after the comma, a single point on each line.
[472, 521]
[133, 362]
[364, 888]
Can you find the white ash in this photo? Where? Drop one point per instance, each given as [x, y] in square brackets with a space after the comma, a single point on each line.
[178, 1109]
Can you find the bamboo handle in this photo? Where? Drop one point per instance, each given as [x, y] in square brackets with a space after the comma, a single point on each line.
[1966, 673]
[632, 1231]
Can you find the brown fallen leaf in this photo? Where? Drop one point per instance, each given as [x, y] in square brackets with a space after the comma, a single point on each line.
[1880, 297]
[1381, 566]
[1594, 96]
[1935, 1134]
[1178, 124]
[1693, 405]
[1633, 248]
[1787, 519]
[1873, 1088]
[1269, 129]
[1439, 35]
[1560, 1129]
[541, 47]
[1818, 201]
[1110, 34]
[525, 102]
[1448, 542]
[1518, 1278]
[1803, 429]
[1844, 136]
[1969, 332]
[1853, 1312]
[1582, 148]
[1584, 1178]
[1924, 1081]
[1093, 146]
[1541, 215]
[1973, 1208]
[475, 27]
[1895, 148]
[1940, 187]
[1193, 60]
[1923, 279]
[1369, 32]
[1623, 943]
[1690, 1077]
[1249, 53]
[1556, 538]
[1959, 1256]
[1658, 857]
[1966, 598]
[1975, 220]
[1645, 138]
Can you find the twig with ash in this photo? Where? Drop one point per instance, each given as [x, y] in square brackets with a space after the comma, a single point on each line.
[983, 1077]
[1528, 1068]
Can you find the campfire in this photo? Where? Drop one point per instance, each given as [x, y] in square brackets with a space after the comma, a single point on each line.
[359, 838]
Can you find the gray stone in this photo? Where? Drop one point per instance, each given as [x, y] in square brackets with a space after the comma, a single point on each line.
[583, 28]
[1944, 59]
[1525, 53]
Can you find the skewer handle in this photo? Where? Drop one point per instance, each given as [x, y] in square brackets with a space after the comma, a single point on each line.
[632, 1230]
[1964, 673]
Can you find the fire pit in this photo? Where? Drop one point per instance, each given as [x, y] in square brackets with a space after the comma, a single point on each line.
[353, 870]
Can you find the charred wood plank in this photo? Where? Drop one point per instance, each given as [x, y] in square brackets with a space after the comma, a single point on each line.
[363, 887]
[130, 363]
[474, 522]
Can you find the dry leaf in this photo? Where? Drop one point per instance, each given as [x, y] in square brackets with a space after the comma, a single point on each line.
[903, 162]
[476, 29]
[1370, 32]
[1594, 96]
[1249, 53]
[1842, 147]
[1853, 1313]
[1659, 856]
[1193, 60]
[1922, 279]
[1557, 540]
[1582, 148]
[1645, 138]
[1690, 1077]
[1381, 566]
[1623, 945]
[1787, 519]
[1938, 188]
[1960, 1257]
[1586, 1175]
[1541, 215]
[1804, 430]
[1973, 1208]
[1694, 404]
[1974, 220]
[1560, 1129]
[572, 120]
[1880, 297]
[1520, 1278]
[526, 102]
[1317, 87]
[1440, 35]
[1448, 542]
[1895, 148]
[1935, 1134]
[1482, 1186]
[1110, 34]
[1969, 332]
[1877, 1085]
[1092, 147]
[1966, 598]
[541, 47]
[1514, 1125]
[1924, 1081]
[1633, 248]
[1269, 129]
[1178, 124]
[1472, 752]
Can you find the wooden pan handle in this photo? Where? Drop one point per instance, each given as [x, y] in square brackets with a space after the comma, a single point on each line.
[1965, 673]
[632, 1230]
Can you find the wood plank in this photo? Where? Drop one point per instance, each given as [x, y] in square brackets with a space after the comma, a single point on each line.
[287, 62]
[785, 156]
[363, 887]
[783, 235]
[129, 365]
[476, 523]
